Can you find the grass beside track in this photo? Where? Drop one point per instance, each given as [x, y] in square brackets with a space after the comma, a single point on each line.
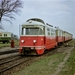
[45, 66]
[48, 65]
[16, 43]
[69, 68]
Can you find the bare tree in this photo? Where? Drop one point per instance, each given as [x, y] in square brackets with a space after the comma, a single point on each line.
[8, 8]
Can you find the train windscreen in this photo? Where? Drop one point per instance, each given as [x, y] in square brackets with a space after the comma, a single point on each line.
[32, 31]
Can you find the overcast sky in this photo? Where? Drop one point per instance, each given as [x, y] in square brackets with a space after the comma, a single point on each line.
[59, 13]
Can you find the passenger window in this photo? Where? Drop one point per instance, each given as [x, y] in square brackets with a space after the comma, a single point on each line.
[48, 33]
[48, 29]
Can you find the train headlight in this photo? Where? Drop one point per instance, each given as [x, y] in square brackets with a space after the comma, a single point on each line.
[34, 41]
[22, 41]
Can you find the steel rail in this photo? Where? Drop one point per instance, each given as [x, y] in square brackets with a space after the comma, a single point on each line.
[8, 51]
[7, 68]
[17, 54]
[9, 60]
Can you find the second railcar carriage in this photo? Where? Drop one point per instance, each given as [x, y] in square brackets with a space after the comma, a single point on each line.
[67, 36]
[59, 35]
[36, 37]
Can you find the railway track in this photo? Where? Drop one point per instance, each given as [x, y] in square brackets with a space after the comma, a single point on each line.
[6, 56]
[9, 64]
[13, 65]
[7, 61]
[8, 51]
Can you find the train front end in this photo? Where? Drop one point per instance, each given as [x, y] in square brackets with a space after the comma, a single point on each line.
[32, 39]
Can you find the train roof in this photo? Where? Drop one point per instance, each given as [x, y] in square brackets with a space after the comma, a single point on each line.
[68, 32]
[57, 28]
[32, 23]
[36, 19]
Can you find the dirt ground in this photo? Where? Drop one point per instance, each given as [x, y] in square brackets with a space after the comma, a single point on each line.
[61, 65]
[66, 50]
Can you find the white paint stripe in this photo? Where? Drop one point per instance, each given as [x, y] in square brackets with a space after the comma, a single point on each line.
[36, 47]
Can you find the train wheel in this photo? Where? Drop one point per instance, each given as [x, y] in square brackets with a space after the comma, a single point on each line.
[39, 52]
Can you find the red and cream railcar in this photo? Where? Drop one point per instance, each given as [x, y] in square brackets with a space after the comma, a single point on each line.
[67, 36]
[36, 37]
[70, 36]
[59, 35]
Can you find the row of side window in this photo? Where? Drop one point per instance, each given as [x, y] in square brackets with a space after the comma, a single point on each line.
[50, 32]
